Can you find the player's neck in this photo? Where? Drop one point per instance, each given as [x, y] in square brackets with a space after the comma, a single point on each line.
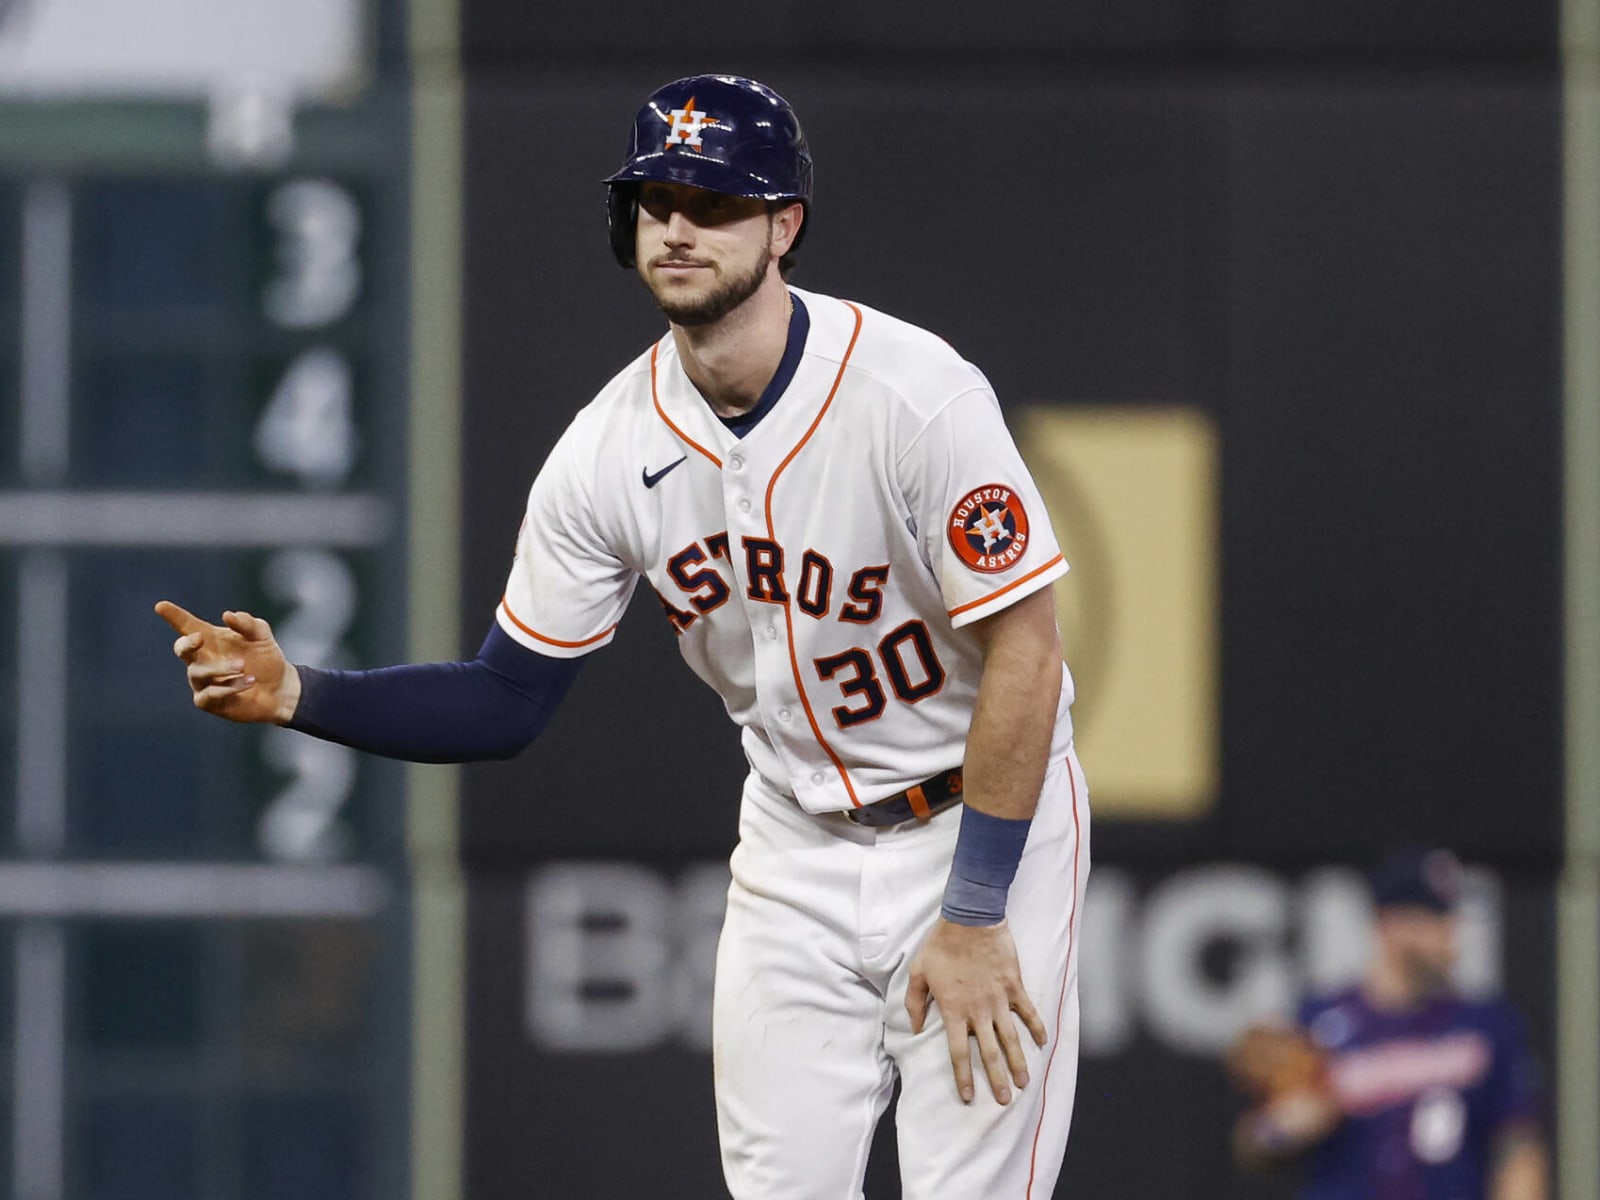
[1390, 988]
[732, 360]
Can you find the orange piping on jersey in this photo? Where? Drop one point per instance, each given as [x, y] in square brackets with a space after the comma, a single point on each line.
[794, 660]
[1015, 583]
[550, 641]
[1066, 975]
[661, 412]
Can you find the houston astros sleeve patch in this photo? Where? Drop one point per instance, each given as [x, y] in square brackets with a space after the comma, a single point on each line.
[988, 528]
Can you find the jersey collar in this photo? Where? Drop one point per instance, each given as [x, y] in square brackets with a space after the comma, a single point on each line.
[799, 327]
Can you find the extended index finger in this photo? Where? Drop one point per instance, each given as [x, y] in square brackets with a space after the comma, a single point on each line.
[178, 617]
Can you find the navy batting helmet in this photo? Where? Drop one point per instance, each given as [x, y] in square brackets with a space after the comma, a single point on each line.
[719, 132]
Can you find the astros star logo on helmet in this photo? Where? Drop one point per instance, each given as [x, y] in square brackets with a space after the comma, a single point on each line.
[989, 528]
[686, 125]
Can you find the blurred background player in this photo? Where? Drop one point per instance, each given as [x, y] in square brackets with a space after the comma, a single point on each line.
[1398, 1088]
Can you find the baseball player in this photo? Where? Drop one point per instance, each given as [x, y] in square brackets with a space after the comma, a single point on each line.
[848, 548]
[1420, 1094]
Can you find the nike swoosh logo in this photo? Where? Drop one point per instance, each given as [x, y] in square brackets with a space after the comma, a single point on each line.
[651, 480]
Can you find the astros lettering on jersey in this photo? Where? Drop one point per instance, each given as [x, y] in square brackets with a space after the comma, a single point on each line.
[818, 571]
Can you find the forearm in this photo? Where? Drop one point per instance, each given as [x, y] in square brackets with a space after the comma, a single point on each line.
[1253, 1146]
[1008, 750]
[1013, 723]
[489, 708]
[1282, 1129]
[1522, 1169]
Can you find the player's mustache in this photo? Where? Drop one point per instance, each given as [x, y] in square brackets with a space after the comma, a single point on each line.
[677, 259]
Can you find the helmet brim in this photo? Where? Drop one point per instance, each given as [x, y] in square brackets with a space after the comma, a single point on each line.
[701, 171]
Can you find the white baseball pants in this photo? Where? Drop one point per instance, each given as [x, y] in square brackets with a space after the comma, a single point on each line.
[809, 1021]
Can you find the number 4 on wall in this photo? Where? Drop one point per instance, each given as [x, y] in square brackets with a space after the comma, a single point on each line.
[307, 429]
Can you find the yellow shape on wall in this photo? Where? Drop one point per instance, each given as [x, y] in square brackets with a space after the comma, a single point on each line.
[1132, 494]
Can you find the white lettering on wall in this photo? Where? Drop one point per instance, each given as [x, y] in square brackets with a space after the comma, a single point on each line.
[621, 956]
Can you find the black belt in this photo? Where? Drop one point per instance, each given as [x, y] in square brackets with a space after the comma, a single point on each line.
[918, 803]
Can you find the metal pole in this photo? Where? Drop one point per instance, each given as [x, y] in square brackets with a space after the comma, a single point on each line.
[1578, 905]
[439, 922]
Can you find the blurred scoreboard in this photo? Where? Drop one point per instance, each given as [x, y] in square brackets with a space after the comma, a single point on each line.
[203, 947]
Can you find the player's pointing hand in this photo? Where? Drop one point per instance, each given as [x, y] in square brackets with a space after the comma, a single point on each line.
[236, 670]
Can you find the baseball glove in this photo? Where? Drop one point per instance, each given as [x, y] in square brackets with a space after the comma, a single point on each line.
[1273, 1060]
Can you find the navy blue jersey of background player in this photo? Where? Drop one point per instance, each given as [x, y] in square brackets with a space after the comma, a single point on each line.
[1427, 1093]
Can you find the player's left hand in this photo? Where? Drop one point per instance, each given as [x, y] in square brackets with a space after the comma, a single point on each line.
[972, 973]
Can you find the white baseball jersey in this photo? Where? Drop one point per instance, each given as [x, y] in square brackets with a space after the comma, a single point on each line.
[819, 570]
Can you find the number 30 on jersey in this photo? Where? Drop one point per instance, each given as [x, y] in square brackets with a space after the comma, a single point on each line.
[907, 652]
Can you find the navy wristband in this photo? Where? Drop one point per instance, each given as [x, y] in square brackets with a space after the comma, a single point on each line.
[988, 849]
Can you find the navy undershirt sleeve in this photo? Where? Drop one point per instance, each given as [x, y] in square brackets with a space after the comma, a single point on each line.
[491, 707]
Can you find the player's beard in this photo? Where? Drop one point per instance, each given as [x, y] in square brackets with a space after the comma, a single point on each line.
[730, 292]
[1429, 972]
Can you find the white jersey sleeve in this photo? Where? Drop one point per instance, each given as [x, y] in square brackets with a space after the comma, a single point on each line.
[567, 589]
[981, 523]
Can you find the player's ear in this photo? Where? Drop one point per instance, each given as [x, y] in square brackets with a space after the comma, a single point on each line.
[786, 223]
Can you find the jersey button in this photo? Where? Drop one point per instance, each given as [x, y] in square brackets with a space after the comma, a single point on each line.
[772, 633]
[736, 462]
[817, 777]
[784, 714]
[744, 506]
